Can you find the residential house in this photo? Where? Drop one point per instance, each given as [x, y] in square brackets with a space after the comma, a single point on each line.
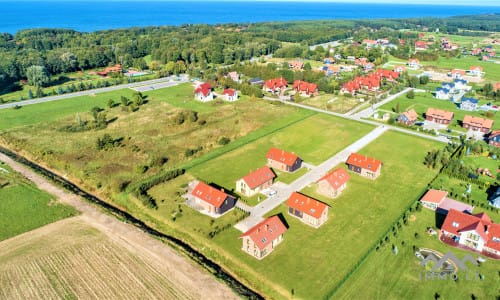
[477, 124]
[420, 46]
[310, 211]
[329, 60]
[260, 240]
[275, 85]
[460, 84]
[296, 65]
[364, 165]
[442, 93]
[331, 70]
[476, 232]
[494, 138]
[476, 71]
[230, 95]
[438, 116]
[413, 63]
[450, 86]
[234, 76]
[457, 73]
[469, 104]
[256, 81]
[476, 51]
[255, 182]
[203, 92]
[408, 117]
[305, 88]
[438, 201]
[333, 183]
[369, 43]
[485, 58]
[399, 68]
[114, 69]
[210, 200]
[283, 161]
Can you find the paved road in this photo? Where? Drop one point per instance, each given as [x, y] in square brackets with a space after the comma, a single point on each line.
[314, 175]
[370, 110]
[89, 92]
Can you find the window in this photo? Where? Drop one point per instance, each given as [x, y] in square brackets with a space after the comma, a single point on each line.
[455, 224]
[496, 239]
[264, 240]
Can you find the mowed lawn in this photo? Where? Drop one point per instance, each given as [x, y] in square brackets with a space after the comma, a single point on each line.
[314, 139]
[388, 276]
[311, 262]
[24, 208]
[423, 101]
[491, 70]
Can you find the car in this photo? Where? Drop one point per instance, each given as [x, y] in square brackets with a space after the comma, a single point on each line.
[272, 193]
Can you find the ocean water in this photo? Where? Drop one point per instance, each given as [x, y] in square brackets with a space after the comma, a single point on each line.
[100, 15]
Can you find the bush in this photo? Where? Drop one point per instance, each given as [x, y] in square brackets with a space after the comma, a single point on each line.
[410, 94]
[224, 140]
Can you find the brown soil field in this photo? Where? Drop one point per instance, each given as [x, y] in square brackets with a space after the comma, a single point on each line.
[72, 259]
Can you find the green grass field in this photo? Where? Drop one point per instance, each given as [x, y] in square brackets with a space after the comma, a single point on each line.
[314, 140]
[492, 71]
[23, 207]
[423, 101]
[357, 219]
[388, 276]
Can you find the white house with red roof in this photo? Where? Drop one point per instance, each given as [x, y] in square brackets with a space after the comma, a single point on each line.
[399, 68]
[209, 200]
[438, 201]
[457, 73]
[476, 71]
[413, 63]
[420, 45]
[230, 95]
[234, 76]
[333, 183]
[283, 160]
[310, 211]
[260, 240]
[203, 92]
[255, 182]
[364, 165]
[476, 232]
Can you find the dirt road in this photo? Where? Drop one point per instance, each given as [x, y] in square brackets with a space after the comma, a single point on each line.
[185, 274]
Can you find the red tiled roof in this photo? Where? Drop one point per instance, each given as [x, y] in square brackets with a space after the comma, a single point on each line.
[336, 178]
[478, 122]
[458, 71]
[496, 87]
[302, 86]
[421, 44]
[209, 194]
[434, 196]
[439, 114]
[413, 60]
[259, 177]
[411, 115]
[266, 231]
[306, 205]
[364, 162]
[282, 156]
[494, 237]
[464, 222]
[229, 92]
[204, 88]
[494, 133]
[476, 68]
[276, 83]
[369, 42]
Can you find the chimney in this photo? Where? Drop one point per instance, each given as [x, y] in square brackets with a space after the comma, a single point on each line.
[222, 190]
[267, 227]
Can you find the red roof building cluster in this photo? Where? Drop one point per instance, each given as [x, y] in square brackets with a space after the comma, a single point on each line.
[276, 84]
[420, 45]
[305, 87]
[370, 82]
[114, 69]
[259, 177]
[204, 88]
[265, 232]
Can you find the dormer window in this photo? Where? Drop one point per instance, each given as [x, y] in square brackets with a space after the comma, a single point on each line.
[264, 240]
[496, 239]
[455, 224]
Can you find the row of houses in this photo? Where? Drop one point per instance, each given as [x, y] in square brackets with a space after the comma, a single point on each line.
[444, 117]
[369, 82]
[204, 93]
[462, 228]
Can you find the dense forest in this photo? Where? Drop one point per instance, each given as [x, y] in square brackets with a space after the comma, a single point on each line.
[56, 51]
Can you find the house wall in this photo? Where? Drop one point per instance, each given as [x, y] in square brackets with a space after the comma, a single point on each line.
[464, 240]
[206, 206]
[474, 128]
[296, 165]
[326, 189]
[200, 97]
[438, 121]
[495, 142]
[429, 205]
[251, 248]
[242, 187]
[283, 167]
[308, 219]
[370, 174]
[226, 205]
[491, 250]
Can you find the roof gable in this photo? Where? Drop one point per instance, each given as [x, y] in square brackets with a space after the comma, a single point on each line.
[306, 205]
[434, 196]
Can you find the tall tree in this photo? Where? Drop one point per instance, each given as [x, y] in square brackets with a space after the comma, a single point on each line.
[37, 76]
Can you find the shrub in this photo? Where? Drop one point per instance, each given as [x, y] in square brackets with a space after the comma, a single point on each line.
[224, 140]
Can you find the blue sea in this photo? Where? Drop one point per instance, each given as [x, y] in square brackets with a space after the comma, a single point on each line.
[100, 15]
